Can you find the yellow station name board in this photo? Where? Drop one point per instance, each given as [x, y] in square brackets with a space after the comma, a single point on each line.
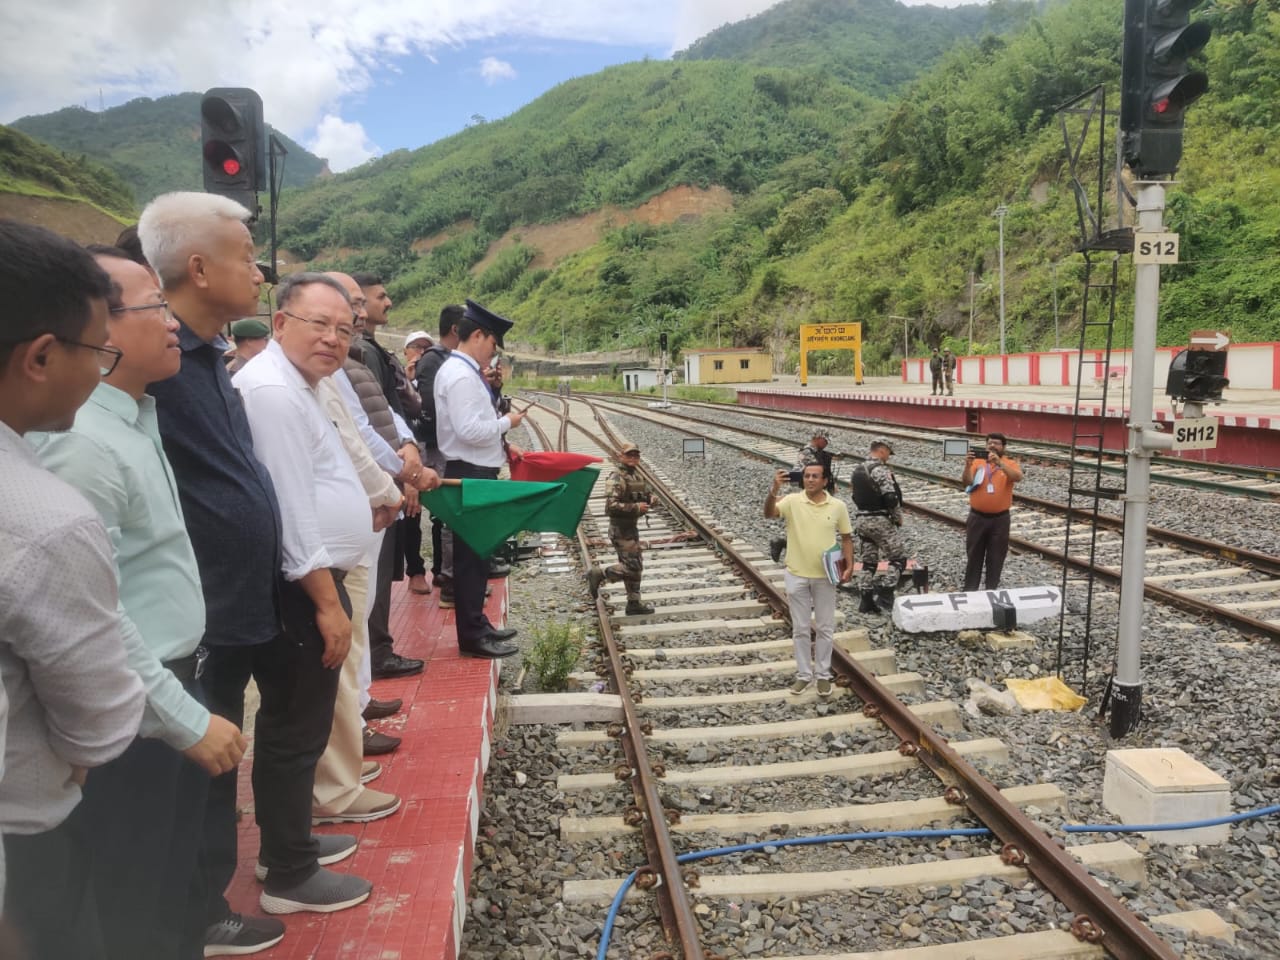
[830, 336]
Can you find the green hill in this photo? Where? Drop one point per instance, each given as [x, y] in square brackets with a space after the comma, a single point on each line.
[876, 46]
[30, 168]
[844, 207]
[154, 145]
[617, 137]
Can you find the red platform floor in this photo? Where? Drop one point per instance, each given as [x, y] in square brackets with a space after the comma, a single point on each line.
[420, 857]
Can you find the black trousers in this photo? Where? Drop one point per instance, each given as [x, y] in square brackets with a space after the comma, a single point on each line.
[390, 567]
[937, 382]
[986, 544]
[290, 733]
[50, 900]
[437, 531]
[144, 813]
[470, 570]
[411, 541]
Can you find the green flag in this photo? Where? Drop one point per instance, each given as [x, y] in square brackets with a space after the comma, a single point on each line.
[484, 513]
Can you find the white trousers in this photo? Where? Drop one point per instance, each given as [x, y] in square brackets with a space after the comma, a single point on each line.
[812, 597]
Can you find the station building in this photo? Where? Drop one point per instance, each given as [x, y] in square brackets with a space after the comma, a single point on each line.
[728, 365]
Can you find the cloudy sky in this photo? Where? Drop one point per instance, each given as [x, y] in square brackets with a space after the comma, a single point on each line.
[350, 79]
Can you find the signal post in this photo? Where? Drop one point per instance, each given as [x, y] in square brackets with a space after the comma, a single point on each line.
[1156, 89]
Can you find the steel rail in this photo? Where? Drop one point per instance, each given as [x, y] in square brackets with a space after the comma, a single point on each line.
[675, 908]
[1100, 917]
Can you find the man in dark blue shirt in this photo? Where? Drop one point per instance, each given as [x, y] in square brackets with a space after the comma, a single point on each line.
[203, 252]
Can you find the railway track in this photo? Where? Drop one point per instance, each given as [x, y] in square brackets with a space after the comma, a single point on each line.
[703, 753]
[1230, 584]
[1256, 483]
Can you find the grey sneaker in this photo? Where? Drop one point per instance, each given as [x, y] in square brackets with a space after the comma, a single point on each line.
[333, 847]
[239, 936]
[824, 688]
[323, 892]
[798, 686]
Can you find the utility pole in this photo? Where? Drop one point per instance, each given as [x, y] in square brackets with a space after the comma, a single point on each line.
[1054, 267]
[1000, 213]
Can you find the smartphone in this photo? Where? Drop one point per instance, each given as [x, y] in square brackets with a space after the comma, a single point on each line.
[796, 477]
[979, 453]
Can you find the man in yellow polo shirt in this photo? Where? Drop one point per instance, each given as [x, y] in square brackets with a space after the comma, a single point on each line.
[815, 521]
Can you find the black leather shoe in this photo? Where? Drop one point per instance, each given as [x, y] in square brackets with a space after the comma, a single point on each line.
[394, 665]
[499, 569]
[487, 646]
[378, 709]
[376, 743]
[506, 633]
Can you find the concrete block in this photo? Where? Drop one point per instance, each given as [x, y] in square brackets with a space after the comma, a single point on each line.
[950, 612]
[1166, 785]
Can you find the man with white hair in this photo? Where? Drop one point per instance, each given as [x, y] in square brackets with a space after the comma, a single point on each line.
[203, 253]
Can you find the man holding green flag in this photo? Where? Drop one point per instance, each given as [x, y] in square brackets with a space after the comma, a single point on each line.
[469, 433]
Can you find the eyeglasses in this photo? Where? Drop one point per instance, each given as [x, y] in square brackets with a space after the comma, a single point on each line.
[158, 305]
[104, 366]
[345, 330]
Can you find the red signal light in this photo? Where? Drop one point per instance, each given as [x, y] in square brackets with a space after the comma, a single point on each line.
[1160, 106]
[231, 166]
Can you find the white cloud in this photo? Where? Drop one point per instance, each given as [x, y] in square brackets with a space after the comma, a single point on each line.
[342, 142]
[306, 57]
[303, 56]
[494, 70]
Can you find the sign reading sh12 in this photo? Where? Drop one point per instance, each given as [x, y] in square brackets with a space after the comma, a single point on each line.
[980, 610]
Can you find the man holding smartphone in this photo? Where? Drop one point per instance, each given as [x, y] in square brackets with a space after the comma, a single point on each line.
[989, 484]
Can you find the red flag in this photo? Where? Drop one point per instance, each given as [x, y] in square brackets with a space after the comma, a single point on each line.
[544, 466]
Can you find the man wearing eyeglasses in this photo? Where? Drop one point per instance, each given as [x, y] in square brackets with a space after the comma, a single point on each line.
[73, 701]
[204, 255]
[145, 810]
[328, 530]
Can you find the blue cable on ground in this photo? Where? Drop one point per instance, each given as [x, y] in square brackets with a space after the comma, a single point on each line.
[612, 916]
[1185, 825]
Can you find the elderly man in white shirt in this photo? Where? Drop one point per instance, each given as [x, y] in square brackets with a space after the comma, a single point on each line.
[328, 528]
[469, 432]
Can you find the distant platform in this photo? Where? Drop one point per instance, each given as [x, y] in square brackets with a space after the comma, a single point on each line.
[1249, 419]
[419, 859]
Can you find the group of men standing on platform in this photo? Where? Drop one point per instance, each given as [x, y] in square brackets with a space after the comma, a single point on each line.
[170, 532]
[818, 528]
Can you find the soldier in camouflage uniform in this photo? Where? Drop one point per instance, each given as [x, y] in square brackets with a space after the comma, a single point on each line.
[627, 500]
[879, 504]
[815, 452]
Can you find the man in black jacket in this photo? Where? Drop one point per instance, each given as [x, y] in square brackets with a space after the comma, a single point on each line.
[425, 430]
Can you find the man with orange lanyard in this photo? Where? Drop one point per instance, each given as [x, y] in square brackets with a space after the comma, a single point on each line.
[989, 484]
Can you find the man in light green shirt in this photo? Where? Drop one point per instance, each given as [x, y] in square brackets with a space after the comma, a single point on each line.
[146, 808]
[815, 521]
